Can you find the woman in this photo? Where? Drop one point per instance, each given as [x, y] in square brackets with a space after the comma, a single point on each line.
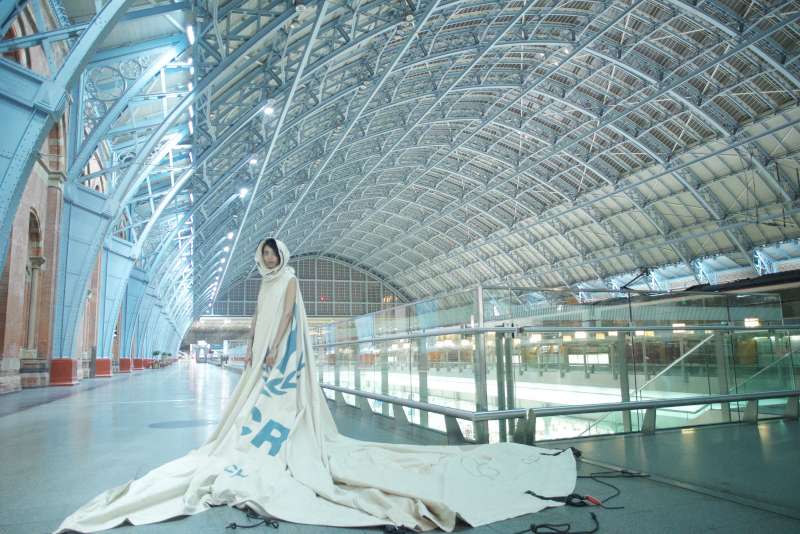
[268, 263]
[276, 450]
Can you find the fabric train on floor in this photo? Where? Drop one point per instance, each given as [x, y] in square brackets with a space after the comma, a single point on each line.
[276, 450]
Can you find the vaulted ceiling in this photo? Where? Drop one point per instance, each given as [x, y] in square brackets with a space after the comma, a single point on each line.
[445, 143]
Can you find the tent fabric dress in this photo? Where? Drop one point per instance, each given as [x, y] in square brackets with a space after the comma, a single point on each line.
[276, 450]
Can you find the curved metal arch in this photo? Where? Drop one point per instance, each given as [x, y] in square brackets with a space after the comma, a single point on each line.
[456, 221]
[654, 176]
[664, 89]
[389, 70]
[45, 106]
[182, 181]
[647, 241]
[534, 85]
[90, 143]
[235, 129]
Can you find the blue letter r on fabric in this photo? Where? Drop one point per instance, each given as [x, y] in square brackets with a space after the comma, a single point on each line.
[266, 434]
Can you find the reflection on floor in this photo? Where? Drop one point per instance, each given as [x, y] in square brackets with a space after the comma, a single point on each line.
[61, 447]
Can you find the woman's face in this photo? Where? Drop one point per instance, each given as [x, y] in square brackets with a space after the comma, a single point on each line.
[271, 259]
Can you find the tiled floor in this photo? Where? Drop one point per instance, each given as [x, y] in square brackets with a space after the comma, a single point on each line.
[61, 447]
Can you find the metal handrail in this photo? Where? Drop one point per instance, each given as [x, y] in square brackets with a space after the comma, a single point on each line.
[417, 334]
[447, 411]
[424, 333]
[551, 411]
[526, 430]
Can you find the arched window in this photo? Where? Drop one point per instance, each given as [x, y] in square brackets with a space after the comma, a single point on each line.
[330, 288]
[33, 273]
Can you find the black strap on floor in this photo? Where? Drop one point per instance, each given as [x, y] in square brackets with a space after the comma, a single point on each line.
[622, 473]
[575, 452]
[267, 521]
[560, 528]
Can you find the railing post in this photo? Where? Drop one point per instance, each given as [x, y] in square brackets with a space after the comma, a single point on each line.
[357, 373]
[792, 408]
[384, 359]
[624, 389]
[522, 432]
[649, 423]
[531, 424]
[479, 368]
[751, 411]
[363, 404]
[336, 379]
[722, 373]
[500, 381]
[645, 365]
[454, 434]
[509, 381]
[422, 354]
[400, 419]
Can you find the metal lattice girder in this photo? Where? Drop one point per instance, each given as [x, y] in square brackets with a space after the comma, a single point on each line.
[102, 128]
[31, 104]
[565, 142]
[486, 122]
[649, 241]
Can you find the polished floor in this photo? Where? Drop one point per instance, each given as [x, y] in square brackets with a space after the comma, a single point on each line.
[59, 447]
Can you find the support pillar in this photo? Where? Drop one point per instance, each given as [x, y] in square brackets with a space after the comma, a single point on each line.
[422, 354]
[30, 105]
[722, 373]
[479, 368]
[624, 388]
[37, 262]
[33, 370]
[115, 269]
[82, 221]
[131, 313]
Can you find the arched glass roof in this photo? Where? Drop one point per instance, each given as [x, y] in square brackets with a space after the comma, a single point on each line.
[445, 143]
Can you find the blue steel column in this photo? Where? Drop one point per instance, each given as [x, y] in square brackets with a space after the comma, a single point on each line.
[116, 265]
[142, 320]
[151, 339]
[134, 293]
[80, 220]
[30, 104]
[146, 326]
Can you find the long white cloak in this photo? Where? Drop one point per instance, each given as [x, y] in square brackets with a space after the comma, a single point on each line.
[276, 449]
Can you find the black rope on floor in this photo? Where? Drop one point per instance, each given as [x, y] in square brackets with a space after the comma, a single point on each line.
[575, 452]
[560, 528]
[266, 521]
[622, 473]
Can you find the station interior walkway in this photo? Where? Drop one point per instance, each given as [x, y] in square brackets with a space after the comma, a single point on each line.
[59, 447]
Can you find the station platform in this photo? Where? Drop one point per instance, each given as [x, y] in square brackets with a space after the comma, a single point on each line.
[59, 447]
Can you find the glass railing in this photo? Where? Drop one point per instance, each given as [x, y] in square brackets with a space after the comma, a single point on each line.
[497, 348]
